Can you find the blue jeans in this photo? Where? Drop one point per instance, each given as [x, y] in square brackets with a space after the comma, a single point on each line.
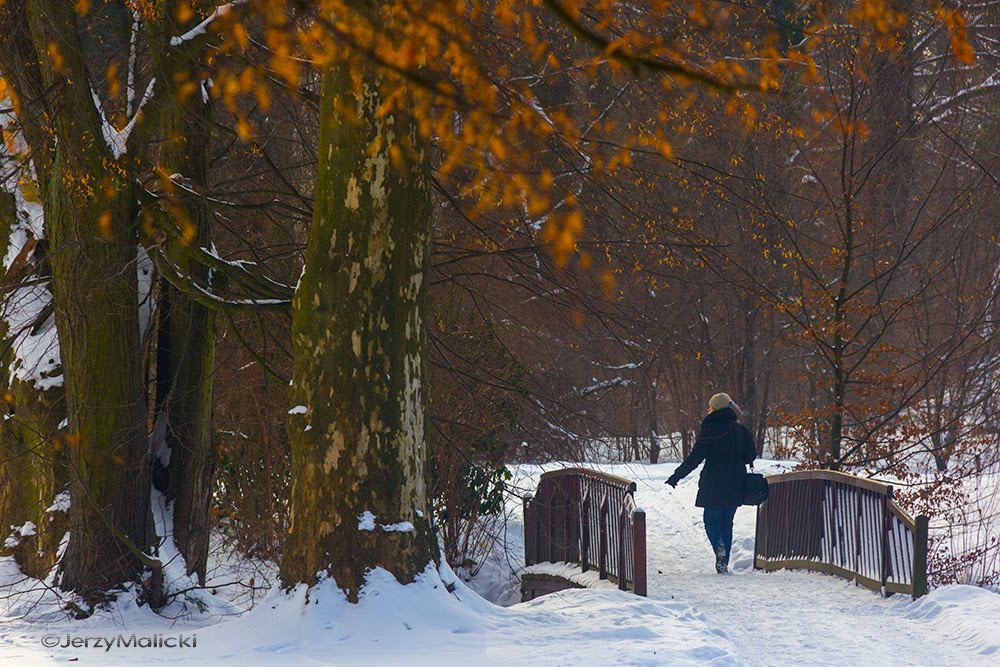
[719, 527]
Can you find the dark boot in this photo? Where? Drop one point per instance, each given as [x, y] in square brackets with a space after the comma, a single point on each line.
[721, 562]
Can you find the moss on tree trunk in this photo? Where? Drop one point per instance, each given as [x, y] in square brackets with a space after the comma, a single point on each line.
[359, 337]
[97, 314]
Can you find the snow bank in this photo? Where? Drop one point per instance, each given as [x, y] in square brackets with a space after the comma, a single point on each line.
[419, 624]
[965, 615]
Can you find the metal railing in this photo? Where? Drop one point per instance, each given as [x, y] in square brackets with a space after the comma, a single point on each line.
[587, 517]
[845, 525]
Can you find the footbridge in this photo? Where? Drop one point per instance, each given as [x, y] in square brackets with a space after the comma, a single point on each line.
[584, 528]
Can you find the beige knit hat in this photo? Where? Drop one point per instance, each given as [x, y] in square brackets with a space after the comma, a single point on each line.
[719, 401]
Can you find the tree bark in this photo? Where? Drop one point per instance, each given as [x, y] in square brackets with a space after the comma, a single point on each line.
[89, 195]
[357, 431]
[96, 304]
[186, 342]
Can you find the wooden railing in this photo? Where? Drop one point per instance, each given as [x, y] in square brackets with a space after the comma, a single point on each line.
[845, 525]
[587, 517]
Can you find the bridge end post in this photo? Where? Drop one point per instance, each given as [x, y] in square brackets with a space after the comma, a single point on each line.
[639, 551]
[920, 557]
[884, 542]
[529, 529]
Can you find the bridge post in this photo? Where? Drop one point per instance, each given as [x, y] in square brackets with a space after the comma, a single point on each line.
[639, 551]
[602, 555]
[585, 533]
[549, 526]
[920, 557]
[571, 527]
[530, 529]
[857, 538]
[886, 527]
[622, 525]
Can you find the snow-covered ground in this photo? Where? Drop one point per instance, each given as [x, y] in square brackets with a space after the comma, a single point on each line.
[692, 615]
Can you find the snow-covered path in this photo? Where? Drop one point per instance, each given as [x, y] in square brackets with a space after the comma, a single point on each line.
[796, 618]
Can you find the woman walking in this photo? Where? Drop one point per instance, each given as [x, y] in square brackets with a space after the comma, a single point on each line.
[725, 446]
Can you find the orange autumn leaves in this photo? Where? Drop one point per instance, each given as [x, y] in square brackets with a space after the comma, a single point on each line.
[474, 76]
[469, 74]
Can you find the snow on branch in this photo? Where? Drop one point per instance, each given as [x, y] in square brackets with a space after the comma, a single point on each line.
[132, 44]
[242, 273]
[603, 386]
[941, 108]
[117, 140]
[202, 28]
[625, 367]
[205, 295]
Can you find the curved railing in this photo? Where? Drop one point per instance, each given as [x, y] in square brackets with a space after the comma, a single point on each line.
[845, 525]
[590, 518]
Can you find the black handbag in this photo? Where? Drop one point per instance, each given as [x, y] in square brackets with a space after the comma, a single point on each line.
[755, 489]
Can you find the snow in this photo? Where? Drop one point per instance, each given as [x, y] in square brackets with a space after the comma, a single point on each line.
[629, 366]
[401, 527]
[968, 614]
[202, 27]
[17, 532]
[366, 521]
[144, 274]
[570, 571]
[603, 385]
[60, 503]
[117, 139]
[691, 617]
[30, 220]
[34, 341]
[298, 410]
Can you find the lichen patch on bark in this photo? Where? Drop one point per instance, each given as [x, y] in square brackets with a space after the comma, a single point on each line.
[353, 190]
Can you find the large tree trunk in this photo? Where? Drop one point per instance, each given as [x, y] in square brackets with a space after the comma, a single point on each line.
[357, 430]
[93, 239]
[186, 358]
[96, 305]
[89, 195]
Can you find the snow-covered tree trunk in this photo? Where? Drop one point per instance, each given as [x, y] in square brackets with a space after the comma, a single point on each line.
[357, 428]
[32, 461]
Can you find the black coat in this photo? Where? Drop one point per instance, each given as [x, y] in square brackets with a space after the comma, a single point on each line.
[725, 446]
